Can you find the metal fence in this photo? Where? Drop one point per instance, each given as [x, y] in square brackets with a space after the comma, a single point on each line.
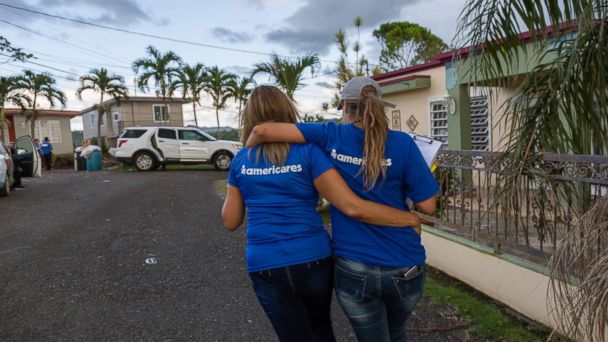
[532, 222]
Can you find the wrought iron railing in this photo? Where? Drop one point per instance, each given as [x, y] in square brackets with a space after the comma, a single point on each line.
[533, 220]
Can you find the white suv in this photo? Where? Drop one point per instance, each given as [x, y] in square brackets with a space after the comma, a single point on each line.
[150, 147]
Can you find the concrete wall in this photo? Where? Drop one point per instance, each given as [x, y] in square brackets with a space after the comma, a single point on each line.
[65, 146]
[132, 114]
[417, 102]
[515, 282]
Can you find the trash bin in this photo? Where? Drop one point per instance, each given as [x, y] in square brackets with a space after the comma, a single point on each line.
[80, 163]
[94, 161]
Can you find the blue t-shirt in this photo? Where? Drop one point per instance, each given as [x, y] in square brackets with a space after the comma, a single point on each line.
[46, 147]
[283, 225]
[408, 176]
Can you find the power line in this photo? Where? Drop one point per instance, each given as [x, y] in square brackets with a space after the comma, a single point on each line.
[148, 35]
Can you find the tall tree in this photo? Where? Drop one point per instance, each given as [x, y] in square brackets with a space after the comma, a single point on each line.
[218, 87]
[104, 83]
[39, 86]
[160, 68]
[561, 106]
[9, 94]
[191, 79]
[405, 44]
[10, 53]
[288, 74]
[241, 89]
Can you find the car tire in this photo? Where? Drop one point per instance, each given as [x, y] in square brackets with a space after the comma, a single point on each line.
[222, 161]
[144, 161]
[6, 189]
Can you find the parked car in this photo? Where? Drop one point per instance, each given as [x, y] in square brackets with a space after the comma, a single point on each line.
[6, 171]
[148, 148]
[28, 158]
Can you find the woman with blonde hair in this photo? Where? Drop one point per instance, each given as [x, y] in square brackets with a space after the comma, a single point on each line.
[288, 253]
[379, 271]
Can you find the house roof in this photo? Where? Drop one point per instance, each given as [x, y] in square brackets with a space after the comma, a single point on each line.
[150, 99]
[44, 112]
[444, 57]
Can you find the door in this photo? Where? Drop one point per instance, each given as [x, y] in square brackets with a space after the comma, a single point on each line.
[193, 146]
[28, 157]
[167, 143]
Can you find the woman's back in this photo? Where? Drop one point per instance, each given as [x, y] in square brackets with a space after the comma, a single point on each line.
[283, 226]
[407, 176]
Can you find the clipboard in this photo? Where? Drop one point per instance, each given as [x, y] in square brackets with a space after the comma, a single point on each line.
[428, 146]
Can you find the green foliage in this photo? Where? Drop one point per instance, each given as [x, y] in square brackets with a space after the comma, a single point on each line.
[218, 86]
[39, 86]
[313, 118]
[104, 83]
[191, 79]
[405, 44]
[9, 94]
[288, 74]
[241, 89]
[11, 53]
[488, 320]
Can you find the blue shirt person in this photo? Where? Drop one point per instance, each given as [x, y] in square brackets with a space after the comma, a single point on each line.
[47, 152]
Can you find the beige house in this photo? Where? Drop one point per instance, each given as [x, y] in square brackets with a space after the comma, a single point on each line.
[420, 94]
[133, 111]
[54, 124]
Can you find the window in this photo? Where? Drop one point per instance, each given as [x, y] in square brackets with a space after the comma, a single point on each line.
[160, 112]
[50, 129]
[439, 121]
[92, 122]
[133, 133]
[116, 116]
[480, 128]
[167, 134]
[191, 135]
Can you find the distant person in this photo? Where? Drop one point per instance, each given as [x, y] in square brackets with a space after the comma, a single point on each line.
[47, 152]
[37, 146]
[379, 271]
[289, 253]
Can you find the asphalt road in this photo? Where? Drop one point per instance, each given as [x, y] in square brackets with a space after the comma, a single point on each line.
[73, 250]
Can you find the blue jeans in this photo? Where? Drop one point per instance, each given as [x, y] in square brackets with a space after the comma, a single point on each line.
[297, 300]
[377, 300]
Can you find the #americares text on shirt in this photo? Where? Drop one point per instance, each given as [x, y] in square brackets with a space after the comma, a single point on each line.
[274, 170]
[355, 160]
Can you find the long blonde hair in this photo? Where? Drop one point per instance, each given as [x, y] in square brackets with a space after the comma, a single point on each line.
[268, 104]
[369, 111]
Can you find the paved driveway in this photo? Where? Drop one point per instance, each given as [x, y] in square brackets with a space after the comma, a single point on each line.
[73, 250]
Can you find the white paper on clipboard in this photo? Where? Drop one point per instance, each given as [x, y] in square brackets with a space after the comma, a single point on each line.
[428, 146]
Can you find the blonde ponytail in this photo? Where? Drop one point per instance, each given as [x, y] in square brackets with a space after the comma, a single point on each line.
[369, 111]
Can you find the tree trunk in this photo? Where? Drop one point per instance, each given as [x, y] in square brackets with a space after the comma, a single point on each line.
[217, 115]
[33, 118]
[194, 110]
[100, 112]
[109, 124]
[3, 123]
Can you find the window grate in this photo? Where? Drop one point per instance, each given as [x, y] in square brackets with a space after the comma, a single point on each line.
[439, 121]
[480, 128]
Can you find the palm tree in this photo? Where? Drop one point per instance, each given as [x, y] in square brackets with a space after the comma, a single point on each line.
[218, 87]
[100, 81]
[288, 74]
[561, 107]
[240, 89]
[160, 67]
[39, 86]
[191, 80]
[8, 94]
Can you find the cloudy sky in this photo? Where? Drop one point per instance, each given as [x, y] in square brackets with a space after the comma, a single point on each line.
[288, 27]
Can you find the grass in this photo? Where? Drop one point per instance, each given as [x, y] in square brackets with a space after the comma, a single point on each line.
[194, 167]
[488, 318]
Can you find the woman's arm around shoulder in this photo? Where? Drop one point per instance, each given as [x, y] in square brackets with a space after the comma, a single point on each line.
[275, 132]
[333, 188]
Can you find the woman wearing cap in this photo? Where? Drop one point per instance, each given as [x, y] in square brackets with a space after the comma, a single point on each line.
[379, 273]
[288, 250]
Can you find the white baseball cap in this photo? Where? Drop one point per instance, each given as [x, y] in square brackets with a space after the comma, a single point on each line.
[351, 92]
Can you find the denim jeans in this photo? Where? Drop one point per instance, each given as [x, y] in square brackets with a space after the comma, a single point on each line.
[377, 300]
[297, 300]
